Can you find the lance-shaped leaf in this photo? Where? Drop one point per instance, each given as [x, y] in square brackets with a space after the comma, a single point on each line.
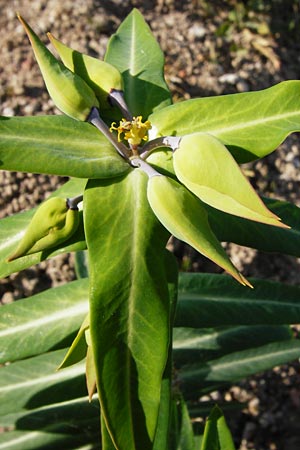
[34, 382]
[57, 145]
[207, 300]
[252, 124]
[184, 216]
[217, 435]
[70, 93]
[205, 166]
[101, 76]
[129, 306]
[70, 424]
[134, 51]
[258, 235]
[198, 379]
[45, 321]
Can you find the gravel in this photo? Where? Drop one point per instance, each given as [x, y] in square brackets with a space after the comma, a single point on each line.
[211, 48]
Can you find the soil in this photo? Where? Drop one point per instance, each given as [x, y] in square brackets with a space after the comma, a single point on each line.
[211, 48]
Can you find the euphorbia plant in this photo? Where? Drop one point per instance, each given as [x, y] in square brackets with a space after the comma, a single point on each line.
[141, 169]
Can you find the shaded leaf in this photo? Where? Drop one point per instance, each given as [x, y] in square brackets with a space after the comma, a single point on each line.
[207, 300]
[198, 379]
[42, 322]
[257, 235]
[216, 433]
[34, 382]
[134, 51]
[195, 345]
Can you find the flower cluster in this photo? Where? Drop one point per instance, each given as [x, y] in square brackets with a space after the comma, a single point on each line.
[135, 131]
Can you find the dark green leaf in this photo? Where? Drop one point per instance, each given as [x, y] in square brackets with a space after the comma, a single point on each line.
[257, 235]
[207, 300]
[137, 55]
[198, 379]
[200, 345]
[129, 306]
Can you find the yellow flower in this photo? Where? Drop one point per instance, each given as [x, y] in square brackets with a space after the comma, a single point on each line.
[134, 132]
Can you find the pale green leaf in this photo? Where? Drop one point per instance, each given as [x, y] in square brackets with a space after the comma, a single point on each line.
[252, 124]
[12, 229]
[57, 145]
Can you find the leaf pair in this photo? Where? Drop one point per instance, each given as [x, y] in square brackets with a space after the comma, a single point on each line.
[79, 84]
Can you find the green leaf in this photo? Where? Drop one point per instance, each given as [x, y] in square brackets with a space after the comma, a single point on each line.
[190, 223]
[162, 434]
[43, 322]
[185, 437]
[34, 382]
[129, 306]
[207, 300]
[205, 166]
[257, 235]
[69, 425]
[13, 227]
[216, 433]
[198, 379]
[136, 54]
[192, 345]
[57, 145]
[70, 93]
[251, 124]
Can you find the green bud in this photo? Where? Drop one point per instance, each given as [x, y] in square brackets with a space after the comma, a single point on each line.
[70, 93]
[101, 76]
[53, 223]
[183, 215]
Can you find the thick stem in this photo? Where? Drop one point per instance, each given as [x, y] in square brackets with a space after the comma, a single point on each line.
[116, 98]
[171, 142]
[138, 162]
[95, 119]
[73, 202]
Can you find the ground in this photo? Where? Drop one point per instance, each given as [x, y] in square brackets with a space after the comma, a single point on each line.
[211, 48]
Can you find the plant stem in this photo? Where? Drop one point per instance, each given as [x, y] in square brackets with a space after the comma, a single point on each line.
[116, 98]
[95, 119]
[138, 162]
[72, 203]
[166, 141]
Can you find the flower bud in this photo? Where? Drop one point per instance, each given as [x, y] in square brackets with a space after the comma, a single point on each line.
[53, 223]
